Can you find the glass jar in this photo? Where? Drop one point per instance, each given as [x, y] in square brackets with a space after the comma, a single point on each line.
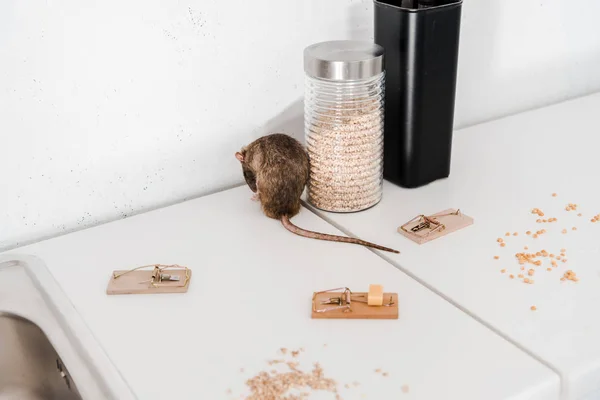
[343, 123]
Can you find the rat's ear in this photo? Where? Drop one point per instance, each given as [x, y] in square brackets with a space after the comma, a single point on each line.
[239, 156]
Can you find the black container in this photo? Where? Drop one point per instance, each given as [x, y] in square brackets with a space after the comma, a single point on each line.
[421, 40]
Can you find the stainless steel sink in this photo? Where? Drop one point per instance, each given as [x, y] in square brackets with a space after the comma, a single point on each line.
[47, 352]
[30, 367]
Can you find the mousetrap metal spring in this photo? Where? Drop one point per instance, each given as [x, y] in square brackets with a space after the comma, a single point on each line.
[158, 276]
[426, 223]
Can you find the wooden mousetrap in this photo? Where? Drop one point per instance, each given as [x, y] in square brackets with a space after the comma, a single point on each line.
[176, 279]
[341, 303]
[423, 229]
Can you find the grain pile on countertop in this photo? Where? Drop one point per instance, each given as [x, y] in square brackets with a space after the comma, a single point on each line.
[570, 275]
[284, 379]
[345, 145]
[277, 385]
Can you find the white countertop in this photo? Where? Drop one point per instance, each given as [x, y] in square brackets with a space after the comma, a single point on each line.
[500, 171]
[250, 295]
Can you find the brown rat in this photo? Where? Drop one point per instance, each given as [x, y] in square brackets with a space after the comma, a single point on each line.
[276, 167]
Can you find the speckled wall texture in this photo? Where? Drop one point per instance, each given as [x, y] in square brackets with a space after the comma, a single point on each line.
[109, 108]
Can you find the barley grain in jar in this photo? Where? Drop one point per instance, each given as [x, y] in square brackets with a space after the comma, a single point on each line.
[343, 121]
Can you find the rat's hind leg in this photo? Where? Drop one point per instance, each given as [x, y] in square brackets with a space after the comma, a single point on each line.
[255, 197]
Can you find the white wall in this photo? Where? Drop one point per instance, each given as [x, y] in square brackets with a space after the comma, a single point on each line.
[108, 108]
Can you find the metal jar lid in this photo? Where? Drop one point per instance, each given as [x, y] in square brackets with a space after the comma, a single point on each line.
[343, 60]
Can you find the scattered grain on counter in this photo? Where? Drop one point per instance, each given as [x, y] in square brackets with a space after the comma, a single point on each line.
[507, 234]
[571, 207]
[554, 194]
[534, 258]
[405, 389]
[570, 275]
[275, 386]
[384, 374]
[533, 308]
[544, 221]
[538, 212]
[525, 258]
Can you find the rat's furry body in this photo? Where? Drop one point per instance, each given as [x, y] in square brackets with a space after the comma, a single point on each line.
[276, 167]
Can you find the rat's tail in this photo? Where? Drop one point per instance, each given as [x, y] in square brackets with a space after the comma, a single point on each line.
[332, 238]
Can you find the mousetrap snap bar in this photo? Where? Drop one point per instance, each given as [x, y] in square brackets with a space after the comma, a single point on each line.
[160, 279]
[347, 305]
[423, 229]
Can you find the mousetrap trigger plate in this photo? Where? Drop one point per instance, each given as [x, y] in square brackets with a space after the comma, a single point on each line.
[342, 303]
[159, 279]
[423, 229]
